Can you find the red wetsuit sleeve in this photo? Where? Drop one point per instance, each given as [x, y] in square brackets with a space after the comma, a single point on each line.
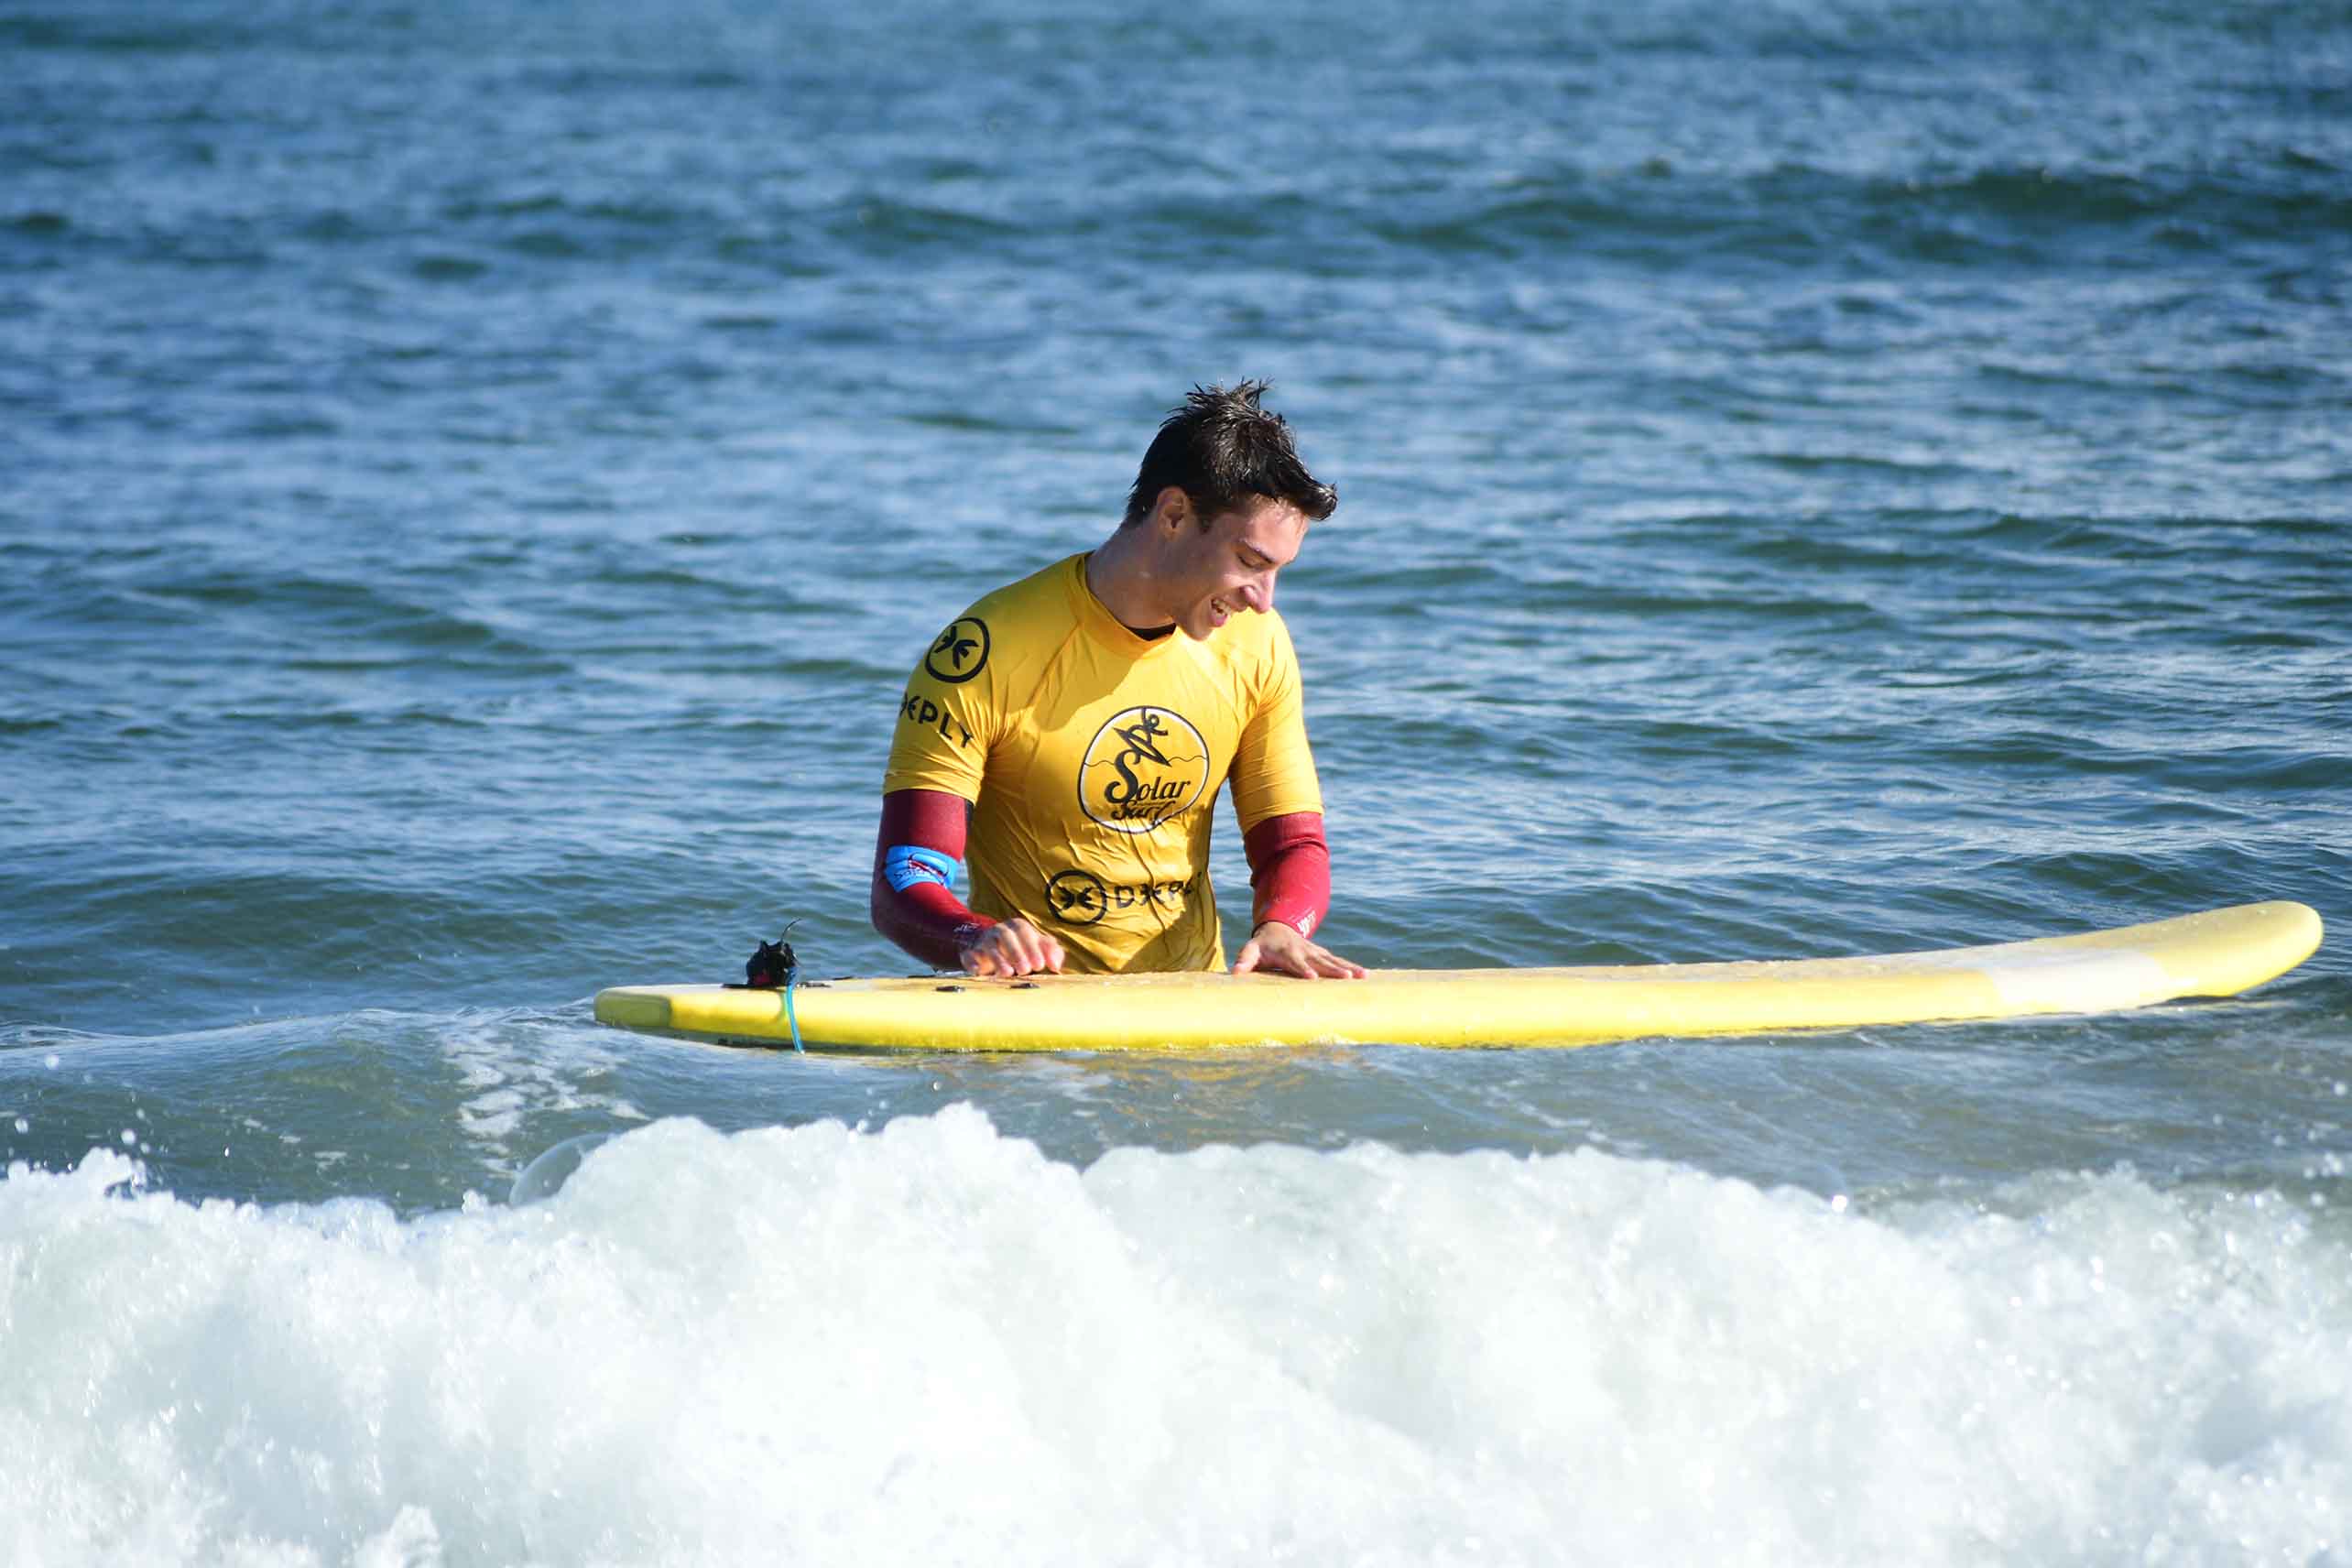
[1290, 871]
[925, 918]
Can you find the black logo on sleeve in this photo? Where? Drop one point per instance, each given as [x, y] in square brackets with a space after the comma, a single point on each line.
[959, 651]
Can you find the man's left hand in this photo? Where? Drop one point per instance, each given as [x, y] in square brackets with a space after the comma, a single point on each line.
[1279, 949]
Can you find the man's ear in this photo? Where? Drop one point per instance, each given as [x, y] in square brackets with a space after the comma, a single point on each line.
[1171, 509]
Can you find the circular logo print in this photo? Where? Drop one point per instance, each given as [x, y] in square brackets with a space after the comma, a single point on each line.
[959, 652]
[1143, 766]
[1077, 898]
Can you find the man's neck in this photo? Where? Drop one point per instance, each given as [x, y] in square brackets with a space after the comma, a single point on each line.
[1120, 574]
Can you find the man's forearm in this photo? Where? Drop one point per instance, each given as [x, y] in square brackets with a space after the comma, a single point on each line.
[910, 901]
[1290, 871]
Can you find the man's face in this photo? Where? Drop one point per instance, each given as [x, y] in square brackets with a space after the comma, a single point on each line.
[1229, 567]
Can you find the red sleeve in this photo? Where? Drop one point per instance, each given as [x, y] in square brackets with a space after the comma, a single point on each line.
[1289, 870]
[927, 920]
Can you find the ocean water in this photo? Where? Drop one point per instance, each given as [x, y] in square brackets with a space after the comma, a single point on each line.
[1816, 478]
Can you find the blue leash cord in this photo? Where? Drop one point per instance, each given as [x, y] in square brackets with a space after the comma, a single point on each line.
[792, 978]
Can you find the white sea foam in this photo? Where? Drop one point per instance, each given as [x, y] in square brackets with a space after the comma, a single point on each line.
[932, 1345]
[554, 1074]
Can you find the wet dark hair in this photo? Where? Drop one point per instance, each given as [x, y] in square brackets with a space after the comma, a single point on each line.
[1221, 448]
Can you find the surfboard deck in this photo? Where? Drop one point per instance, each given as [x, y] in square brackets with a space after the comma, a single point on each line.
[2219, 953]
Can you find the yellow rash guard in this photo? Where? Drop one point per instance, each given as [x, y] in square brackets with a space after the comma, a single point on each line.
[1093, 757]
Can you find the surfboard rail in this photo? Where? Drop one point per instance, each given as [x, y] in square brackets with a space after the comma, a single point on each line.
[2216, 953]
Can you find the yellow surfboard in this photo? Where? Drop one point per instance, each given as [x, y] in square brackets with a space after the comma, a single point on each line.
[2217, 953]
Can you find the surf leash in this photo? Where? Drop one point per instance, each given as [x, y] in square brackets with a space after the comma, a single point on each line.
[776, 967]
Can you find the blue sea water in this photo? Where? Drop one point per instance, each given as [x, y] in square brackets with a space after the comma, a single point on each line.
[1816, 478]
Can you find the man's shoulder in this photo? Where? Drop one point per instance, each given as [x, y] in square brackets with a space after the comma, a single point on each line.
[1252, 660]
[1257, 642]
[1006, 626]
[1042, 594]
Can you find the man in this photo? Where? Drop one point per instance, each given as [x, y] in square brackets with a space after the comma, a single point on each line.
[1075, 728]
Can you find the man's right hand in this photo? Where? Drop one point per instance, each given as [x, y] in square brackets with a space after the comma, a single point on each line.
[1009, 948]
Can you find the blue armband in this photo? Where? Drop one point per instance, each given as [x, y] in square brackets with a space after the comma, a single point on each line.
[907, 863]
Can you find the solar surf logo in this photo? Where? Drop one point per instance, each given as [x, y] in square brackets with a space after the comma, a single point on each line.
[1143, 766]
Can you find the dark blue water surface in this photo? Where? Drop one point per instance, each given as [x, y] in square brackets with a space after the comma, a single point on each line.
[1817, 482]
[1815, 479]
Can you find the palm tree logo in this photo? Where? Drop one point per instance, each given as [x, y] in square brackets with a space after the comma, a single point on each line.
[959, 651]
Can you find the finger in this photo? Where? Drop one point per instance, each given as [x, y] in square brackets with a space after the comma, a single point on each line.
[1316, 962]
[1300, 962]
[1338, 968]
[1294, 958]
[1246, 960]
[997, 952]
[1028, 949]
[1329, 962]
